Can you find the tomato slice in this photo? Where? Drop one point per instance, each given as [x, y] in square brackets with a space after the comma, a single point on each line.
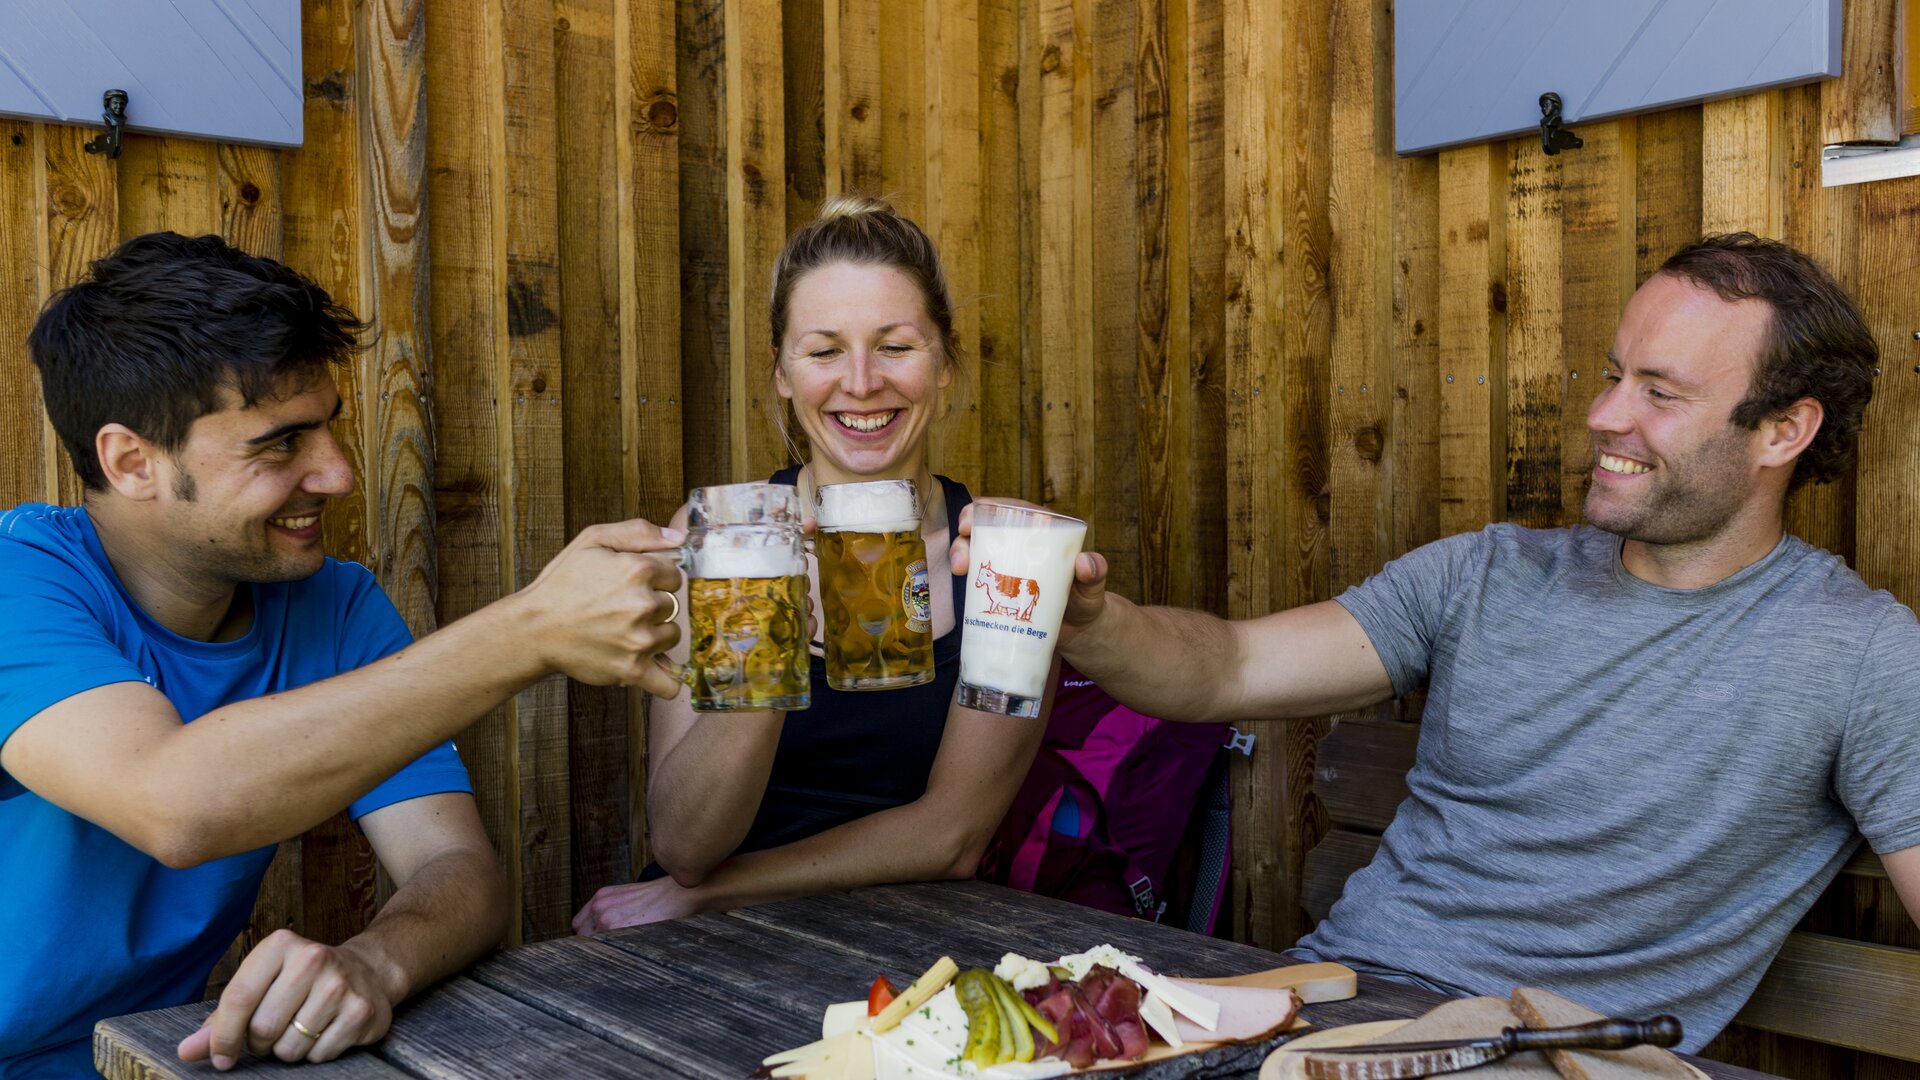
[879, 995]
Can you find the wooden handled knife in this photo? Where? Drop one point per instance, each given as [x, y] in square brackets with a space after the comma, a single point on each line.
[1397, 1061]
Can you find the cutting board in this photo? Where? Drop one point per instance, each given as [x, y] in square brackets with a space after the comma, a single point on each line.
[1285, 1063]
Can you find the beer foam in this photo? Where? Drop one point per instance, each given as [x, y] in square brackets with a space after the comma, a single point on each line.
[716, 561]
[872, 507]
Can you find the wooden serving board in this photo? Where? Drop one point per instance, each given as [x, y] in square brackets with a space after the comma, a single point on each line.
[1285, 1063]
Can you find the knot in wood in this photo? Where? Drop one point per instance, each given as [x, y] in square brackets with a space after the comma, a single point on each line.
[1368, 443]
[249, 193]
[1050, 60]
[662, 115]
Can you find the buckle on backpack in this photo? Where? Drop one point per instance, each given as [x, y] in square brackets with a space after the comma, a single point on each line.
[1238, 741]
[1142, 891]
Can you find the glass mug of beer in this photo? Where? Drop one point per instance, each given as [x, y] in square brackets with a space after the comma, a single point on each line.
[1020, 568]
[876, 608]
[746, 566]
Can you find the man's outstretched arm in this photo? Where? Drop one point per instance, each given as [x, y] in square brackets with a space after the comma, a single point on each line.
[450, 907]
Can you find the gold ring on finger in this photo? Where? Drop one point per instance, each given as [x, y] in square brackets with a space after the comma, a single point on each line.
[675, 597]
[305, 1030]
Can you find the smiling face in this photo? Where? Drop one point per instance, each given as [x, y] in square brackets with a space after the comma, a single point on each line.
[1670, 466]
[243, 495]
[862, 363]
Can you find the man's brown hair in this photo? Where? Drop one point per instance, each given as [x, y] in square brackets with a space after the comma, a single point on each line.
[1817, 344]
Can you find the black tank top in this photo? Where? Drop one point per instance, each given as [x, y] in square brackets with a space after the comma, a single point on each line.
[854, 753]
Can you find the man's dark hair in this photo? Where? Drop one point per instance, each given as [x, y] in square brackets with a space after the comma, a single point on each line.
[1817, 345]
[160, 326]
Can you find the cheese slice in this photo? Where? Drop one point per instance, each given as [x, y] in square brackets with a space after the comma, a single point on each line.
[843, 1017]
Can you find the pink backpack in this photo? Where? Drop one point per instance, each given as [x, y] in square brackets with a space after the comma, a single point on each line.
[1112, 797]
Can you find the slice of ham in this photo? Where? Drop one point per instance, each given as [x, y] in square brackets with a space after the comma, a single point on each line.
[1245, 1012]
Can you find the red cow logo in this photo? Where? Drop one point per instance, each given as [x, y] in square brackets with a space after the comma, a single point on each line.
[1007, 594]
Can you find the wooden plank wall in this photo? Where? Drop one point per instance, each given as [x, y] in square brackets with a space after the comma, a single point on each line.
[1200, 302]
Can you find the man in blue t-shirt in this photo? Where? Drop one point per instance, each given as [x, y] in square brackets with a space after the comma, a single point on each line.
[186, 679]
[1649, 743]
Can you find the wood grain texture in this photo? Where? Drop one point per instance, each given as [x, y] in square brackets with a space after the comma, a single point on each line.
[1535, 374]
[1667, 196]
[1597, 276]
[756, 229]
[167, 184]
[1473, 317]
[854, 118]
[1823, 222]
[1164, 420]
[1844, 992]
[1202, 546]
[1888, 507]
[705, 282]
[953, 189]
[904, 61]
[652, 431]
[1415, 439]
[1111, 390]
[999, 370]
[24, 431]
[803, 67]
[1740, 154]
[140, 1047]
[79, 199]
[1054, 49]
[1362, 333]
[590, 86]
[1864, 103]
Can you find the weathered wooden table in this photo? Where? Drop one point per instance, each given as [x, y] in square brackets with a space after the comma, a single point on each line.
[712, 995]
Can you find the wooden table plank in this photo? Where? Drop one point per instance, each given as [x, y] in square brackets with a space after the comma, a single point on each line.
[709, 996]
[668, 1021]
[141, 1047]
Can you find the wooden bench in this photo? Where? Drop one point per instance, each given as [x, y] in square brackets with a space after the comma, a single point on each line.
[1848, 979]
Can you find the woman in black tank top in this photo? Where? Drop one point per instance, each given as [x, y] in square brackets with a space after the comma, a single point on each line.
[861, 788]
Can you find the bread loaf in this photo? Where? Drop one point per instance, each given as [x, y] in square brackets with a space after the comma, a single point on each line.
[1539, 1009]
[1472, 1018]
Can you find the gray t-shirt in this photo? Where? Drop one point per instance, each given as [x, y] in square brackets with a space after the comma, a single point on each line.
[1623, 792]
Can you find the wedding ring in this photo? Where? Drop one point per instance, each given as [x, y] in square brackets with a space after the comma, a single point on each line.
[305, 1030]
[675, 597]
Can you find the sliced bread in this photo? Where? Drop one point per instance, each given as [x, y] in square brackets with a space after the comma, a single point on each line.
[1540, 1008]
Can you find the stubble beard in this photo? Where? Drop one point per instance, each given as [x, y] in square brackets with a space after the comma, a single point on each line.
[1686, 504]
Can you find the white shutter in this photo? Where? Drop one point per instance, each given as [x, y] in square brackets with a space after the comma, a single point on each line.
[1472, 70]
[217, 69]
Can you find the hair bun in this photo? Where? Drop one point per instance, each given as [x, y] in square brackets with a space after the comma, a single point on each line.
[848, 206]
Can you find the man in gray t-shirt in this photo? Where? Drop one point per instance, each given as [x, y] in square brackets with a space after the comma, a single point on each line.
[1649, 743]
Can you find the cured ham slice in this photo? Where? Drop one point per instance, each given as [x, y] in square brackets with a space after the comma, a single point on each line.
[1245, 1012]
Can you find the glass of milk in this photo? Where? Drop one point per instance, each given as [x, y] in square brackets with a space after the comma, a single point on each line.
[1018, 576]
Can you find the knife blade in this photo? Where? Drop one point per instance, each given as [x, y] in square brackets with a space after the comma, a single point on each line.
[1399, 1061]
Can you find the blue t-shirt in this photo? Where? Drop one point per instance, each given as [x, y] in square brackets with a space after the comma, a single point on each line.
[91, 927]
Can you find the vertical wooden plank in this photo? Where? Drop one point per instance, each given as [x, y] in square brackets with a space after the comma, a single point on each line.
[24, 432]
[1823, 222]
[1277, 356]
[247, 198]
[1534, 374]
[1473, 304]
[466, 164]
[756, 228]
[1111, 388]
[531, 450]
[953, 190]
[334, 886]
[1667, 195]
[854, 80]
[590, 89]
[1000, 367]
[1079, 360]
[79, 221]
[803, 63]
[650, 283]
[1416, 353]
[904, 94]
[1055, 47]
[1864, 103]
[1361, 217]
[1202, 316]
[1164, 418]
[167, 184]
[1597, 265]
[705, 285]
[1739, 158]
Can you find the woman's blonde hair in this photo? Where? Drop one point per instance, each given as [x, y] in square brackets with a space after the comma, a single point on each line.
[865, 231]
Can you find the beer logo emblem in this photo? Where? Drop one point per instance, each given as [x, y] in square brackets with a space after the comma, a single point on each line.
[917, 598]
[1006, 594]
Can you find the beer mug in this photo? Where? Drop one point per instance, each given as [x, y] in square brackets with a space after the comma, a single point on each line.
[876, 608]
[1020, 568]
[746, 566]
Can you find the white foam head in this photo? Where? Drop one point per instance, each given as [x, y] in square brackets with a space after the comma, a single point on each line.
[737, 553]
[874, 506]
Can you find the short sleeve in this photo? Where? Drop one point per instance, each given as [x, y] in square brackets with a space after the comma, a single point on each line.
[56, 636]
[1401, 607]
[373, 630]
[1875, 776]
